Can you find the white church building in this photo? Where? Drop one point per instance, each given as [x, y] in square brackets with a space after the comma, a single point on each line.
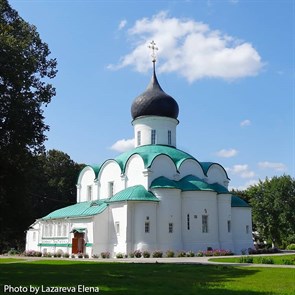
[153, 197]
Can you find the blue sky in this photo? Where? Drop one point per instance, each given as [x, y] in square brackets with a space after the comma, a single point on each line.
[229, 64]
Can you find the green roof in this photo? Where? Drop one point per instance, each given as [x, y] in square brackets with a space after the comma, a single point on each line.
[193, 183]
[83, 209]
[78, 210]
[149, 152]
[238, 202]
[188, 183]
[133, 193]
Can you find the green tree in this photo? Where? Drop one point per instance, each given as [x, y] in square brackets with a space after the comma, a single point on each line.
[273, 206]
[54, 182]
[25, 69]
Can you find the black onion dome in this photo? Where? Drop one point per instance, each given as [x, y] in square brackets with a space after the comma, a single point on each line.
[154, 102]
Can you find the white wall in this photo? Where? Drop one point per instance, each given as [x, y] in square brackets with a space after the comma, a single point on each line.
[117, 240]
[101, 233]
[160, 124]
[191, 167]
[169, 211]
[241, 217]
[196, 204]
[139, 213]
[110, 172]
[86, 178]
[224, 215]
[33, 236]
[52, 241]
[217, 174]
[162, 166]
[134, 171]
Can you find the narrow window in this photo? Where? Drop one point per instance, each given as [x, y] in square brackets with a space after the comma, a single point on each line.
[228, 226]
[58, 229]
[117, 227]
[147, 227]
[64, 230]
[89, 192]
[188, 221]
[153, 137]
[138, 137]
[45, 230]
[111, 189]
[204, 223]
[169, 137]
[247, 229]
[34, 236]
[170, 227]
[50, 230]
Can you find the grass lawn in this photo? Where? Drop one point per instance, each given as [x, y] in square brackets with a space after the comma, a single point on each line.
[154, 279]
[277, 259]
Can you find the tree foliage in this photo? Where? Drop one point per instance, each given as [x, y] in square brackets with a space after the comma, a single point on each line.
[25, 69]
[273, 206]
[54, 183]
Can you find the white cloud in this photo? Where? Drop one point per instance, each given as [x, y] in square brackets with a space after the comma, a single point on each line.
[190, 48]
[271, 165]
[227, 153]
[245, 123]
[122, 24]
[123, 145]
[241, 170]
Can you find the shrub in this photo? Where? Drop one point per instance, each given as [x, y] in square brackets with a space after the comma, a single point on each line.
[33, 253]
[80, 255]
[170, 253]
[137, 253]
[119, 255]
[58, 253]
[222, 252]
[157, 254]
[263, 251]
[73, 256]
[95, 256]
[131, 255]
[47, 254]
[146, 254]
[181, 254]
[190, 254]
[265, 260]
[291, 247]
[13, 251]
[200, 254]
[66, 255]
[208, 253]
[246, 259]
[288, 261]
[105, 254]
[86, 255]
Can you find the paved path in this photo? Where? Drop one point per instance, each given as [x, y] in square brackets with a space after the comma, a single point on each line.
[178, 260]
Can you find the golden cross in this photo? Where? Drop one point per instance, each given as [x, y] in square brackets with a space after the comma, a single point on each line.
[153, 48]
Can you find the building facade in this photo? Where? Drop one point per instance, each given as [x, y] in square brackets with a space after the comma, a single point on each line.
[153, 197]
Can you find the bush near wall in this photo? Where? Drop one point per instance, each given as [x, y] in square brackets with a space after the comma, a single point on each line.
[33, 253]
[291, 247]
[263, 251]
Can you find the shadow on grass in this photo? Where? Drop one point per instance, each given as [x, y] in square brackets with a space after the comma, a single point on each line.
[129, 278]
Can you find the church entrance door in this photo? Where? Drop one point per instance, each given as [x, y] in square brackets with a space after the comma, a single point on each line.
[78, 242]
